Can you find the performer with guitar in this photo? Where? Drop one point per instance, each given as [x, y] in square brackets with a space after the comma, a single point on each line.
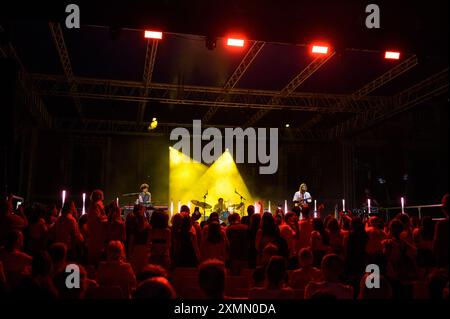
[302, 196]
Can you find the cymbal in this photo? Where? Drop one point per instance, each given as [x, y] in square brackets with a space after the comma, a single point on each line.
[236, 206]
[201, 204]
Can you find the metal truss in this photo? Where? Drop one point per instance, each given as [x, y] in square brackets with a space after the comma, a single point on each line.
[116, 127]
[200, 95]
[150, 57]
[391, 74]
[421, 92]
[434, 86]
[58, 39]
[31, 100]
[235, 77]
[106, 126]
[291, 87]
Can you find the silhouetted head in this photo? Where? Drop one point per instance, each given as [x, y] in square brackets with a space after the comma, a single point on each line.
[357, 225]
[186, 224]
[255, 221]
[332, 267]
[213, 217]
[159, 220]
[234, 218]
[177, 220]
[305, 211]
[211, 278]
[250, 210]
[268, 226]
[305, 257]
[214, 233]
[184, 209]
[269, 251]
[115, 251]
[151, 271]
[291, 219]
[276, 271]
[395, 228]
[155, 288]
[97, 195]
[296, 210]
[333, 225]
[69, 208]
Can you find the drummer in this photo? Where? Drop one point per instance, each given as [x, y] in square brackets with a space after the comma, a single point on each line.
[220, 206]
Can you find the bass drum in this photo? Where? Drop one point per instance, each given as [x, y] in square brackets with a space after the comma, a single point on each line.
[223, 216]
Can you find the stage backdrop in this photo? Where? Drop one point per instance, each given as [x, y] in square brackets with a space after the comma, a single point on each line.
[116, 164]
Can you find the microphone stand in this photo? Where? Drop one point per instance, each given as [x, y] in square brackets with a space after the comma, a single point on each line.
[204, 210]
[242, 198]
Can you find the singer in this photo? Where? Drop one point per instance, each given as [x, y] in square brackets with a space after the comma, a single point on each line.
[302, 196]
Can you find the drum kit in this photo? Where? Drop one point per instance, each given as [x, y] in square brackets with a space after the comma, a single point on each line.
[223, 214]
[229, 208]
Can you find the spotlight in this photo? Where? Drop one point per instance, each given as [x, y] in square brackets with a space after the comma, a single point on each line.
[392, 55]
[319, 49]
[287, 125]
[153, 34]
[235, 42]
[153, 124]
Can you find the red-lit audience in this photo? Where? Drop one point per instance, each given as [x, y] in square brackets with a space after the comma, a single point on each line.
[261, 256]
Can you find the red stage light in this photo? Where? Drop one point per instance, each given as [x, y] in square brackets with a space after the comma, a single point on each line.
[235, 42]
[319, 49]
[392, 55]
[153, 34]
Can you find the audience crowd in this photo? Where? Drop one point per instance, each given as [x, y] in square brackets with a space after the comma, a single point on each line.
[284, 255]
